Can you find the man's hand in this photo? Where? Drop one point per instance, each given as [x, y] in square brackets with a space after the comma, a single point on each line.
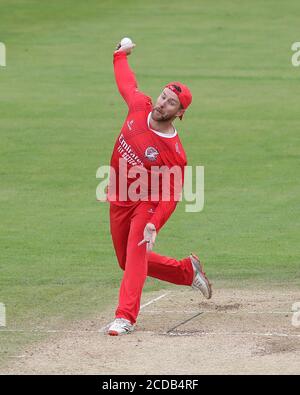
[149, 236]
[126, 48]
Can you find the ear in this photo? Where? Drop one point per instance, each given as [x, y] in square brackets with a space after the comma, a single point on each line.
[180, 112]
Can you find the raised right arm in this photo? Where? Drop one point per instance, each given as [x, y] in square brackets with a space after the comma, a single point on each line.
[125, 77]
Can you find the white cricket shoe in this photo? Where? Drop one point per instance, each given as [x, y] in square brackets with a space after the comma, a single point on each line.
[200, 280]
[120, 326]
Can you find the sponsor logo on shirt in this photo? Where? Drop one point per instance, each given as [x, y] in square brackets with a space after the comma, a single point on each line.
[127, 152]
[151, 153]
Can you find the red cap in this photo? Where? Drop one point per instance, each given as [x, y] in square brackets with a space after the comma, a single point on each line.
[183, 93]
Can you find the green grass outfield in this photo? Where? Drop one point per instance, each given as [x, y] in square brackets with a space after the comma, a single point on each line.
[60, 113]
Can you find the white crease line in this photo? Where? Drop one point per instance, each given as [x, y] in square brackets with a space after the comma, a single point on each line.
[191, 333]
[215, 311]
[103, 329]
[77, 331]
[154, 300]
[275, 334]
[48, 331]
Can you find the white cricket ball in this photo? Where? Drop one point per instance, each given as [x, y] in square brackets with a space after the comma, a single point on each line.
[125, 42]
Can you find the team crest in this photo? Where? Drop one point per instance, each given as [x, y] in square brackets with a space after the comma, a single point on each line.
[151, 153]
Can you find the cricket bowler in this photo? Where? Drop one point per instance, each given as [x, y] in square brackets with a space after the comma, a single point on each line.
[147, 143]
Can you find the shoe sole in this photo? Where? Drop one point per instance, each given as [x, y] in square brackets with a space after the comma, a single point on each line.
[116, 333]
[208, 283]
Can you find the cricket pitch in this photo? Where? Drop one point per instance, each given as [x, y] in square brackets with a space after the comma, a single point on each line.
[179, 332]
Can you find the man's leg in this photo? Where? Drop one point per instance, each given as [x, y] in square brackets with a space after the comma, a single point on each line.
[169, 269]
[119, 229]
[187, 271]
[120, 219]
[136, 266]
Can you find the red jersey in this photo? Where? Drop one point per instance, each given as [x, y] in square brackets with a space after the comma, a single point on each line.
[141, 147]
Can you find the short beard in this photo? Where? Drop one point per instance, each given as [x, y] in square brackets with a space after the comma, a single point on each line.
[157, 116]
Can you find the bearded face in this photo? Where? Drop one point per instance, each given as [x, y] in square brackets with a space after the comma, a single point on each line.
[167, 106]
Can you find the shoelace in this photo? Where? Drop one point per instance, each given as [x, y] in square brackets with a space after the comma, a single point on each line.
[121, 321]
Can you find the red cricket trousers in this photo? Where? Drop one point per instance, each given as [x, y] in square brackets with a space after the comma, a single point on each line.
[127, 229]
